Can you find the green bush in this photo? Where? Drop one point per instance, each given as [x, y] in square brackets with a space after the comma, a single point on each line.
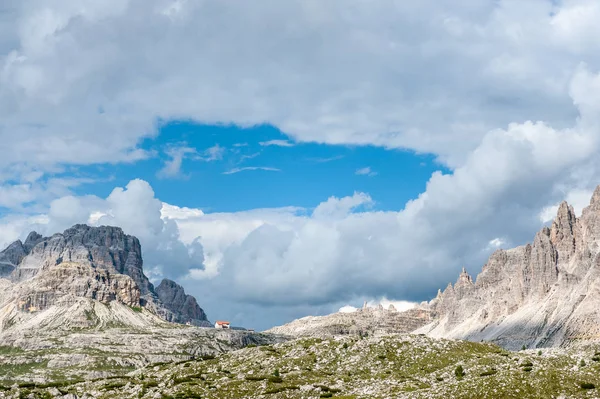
[527, 369]
[275, 379]
[276, 373]
[459, 372]
[587, 385]
[582, 363]
[488, 372]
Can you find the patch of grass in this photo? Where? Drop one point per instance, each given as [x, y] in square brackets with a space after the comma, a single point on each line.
[488, 372]
[282, 389]
[459, 372]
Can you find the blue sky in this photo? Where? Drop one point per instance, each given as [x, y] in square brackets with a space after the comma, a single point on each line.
[415, 138]
[303, 175]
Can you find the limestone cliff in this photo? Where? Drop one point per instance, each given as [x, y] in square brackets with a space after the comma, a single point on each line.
[184, 307]
[541, 294]
[101, 264]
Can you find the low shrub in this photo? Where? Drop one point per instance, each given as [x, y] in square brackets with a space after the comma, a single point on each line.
[488, 372]
[459, 372]
[587, 385]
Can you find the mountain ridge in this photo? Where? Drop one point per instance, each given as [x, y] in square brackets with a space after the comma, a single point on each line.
[544, 293]
[100, 263]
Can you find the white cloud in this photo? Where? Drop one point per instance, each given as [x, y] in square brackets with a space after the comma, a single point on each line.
[467, 81]
[247, 168]
[176, 212]
[172, 167]
[214, 153]
[365, 172]
[277, 143]
[433, 77]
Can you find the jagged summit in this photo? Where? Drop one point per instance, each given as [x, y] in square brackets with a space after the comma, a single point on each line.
[541, 294]
[79, 267]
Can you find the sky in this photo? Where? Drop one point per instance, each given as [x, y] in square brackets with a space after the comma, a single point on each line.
[281, 159]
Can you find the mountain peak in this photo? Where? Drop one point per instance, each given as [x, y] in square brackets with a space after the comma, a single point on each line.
[538, 294]
[96, 263]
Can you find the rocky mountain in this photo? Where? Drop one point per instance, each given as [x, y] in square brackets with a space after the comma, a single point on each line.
[365, 321]
[78, 305]
[184, 307]
[541, 294]
[98, 263]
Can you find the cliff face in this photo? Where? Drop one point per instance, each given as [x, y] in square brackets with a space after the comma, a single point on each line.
[542, 294]
[97, 263]
[184, 307]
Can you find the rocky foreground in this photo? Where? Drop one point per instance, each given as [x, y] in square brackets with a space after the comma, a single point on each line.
[387, 366]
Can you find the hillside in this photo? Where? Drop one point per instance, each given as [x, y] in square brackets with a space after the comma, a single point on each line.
[398, 366]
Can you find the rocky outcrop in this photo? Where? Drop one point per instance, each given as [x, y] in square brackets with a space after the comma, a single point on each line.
[98, 263]
[541, 294]
[364, 321]
[184, 307]
[15, 252]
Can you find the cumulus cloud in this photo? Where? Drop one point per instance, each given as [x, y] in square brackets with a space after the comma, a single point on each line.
[71, 93]
[505, 93]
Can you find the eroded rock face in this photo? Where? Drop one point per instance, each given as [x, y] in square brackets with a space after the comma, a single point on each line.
[102, 247]
[541, 294]
[15, 252]
[184, 307]
[98, 263]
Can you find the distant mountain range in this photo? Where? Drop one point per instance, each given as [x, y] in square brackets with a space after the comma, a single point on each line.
[543, 294]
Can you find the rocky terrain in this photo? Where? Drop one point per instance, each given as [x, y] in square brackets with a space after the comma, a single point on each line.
[350, 367]
[541, 294]
[365, 321]
[78, 305]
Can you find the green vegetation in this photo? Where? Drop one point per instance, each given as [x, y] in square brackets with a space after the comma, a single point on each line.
[459, 372]
[395, 366]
